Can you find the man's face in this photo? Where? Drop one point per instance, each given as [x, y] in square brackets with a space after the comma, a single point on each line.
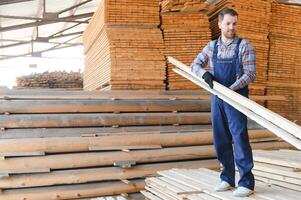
[228, 26]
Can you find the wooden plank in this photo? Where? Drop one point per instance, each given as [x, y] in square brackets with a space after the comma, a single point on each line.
[74, 160]
[74, 191]
[275, 157]
[115, 141]
[278, 177]
[264, 117]
[136, 147]
[101, 105]
[98, 131]
[60, 177]
[81, 120]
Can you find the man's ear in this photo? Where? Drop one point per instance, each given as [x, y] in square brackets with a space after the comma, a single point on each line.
[219, 24]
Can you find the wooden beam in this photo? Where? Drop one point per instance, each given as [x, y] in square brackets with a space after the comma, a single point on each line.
[80, 144]
[90, 120]
[75, 160]
[76, 176]
[74, 191]
[102, 105]
[289, 131]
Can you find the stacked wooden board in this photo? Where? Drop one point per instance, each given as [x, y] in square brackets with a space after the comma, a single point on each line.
[195, 184]
[253, 25]
[185, 34]
[282, 168]
[57, 79]
[81, 157]
[284, 76]
[124, 46]
[183, 5]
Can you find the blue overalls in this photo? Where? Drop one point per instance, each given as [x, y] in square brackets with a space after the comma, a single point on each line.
[231, 125]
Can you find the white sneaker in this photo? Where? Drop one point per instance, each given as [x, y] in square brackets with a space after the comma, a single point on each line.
[242, 192]
[223, 186]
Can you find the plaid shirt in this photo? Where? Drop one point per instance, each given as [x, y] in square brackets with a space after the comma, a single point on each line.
[246, 56]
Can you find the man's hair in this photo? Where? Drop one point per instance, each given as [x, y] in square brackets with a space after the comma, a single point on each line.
[226, 11]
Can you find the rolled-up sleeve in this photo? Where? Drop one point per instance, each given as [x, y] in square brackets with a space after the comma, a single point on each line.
[200, 61]
[249, 67]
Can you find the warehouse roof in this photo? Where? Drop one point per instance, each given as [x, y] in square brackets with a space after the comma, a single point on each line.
[31, 27]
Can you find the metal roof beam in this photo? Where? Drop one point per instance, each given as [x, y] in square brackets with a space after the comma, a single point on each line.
[72, 7]
[48, 21]
[5, 2]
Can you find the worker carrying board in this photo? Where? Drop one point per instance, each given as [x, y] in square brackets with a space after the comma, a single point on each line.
[231, 62]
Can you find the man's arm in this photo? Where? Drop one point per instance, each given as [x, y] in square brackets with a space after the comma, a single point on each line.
[200, 61]
[249, 68]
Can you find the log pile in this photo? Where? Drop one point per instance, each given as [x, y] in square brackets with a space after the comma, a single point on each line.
[84, 156]
[123, 47]
[284, 74]
[253, 25]
[199, 184]
[185, 33]
[57, 79]
[280, 168]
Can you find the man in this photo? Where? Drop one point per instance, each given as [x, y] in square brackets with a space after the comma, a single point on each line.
[232, 63]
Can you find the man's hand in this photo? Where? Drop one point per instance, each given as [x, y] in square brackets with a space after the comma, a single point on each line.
[208, 78]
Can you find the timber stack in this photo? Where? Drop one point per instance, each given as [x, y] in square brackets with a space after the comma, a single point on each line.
[284, 75]
[57, 79]
[124, 47]
[185, 29]
[88, 144]
[197, 184]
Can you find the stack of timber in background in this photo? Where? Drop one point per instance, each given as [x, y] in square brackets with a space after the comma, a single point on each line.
[57, 79]
[185, 32]
[183, 5]
[192, 184]
[281, 167]
[284, 75]
[124, 46]
[88, 144]
[253, 25]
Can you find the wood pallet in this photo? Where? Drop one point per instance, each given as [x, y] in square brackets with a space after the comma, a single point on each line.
[199, 184]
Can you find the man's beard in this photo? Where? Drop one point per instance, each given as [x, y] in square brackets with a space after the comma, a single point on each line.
[230, 34]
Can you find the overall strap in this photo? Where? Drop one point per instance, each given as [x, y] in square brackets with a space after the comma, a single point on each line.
[215, 50]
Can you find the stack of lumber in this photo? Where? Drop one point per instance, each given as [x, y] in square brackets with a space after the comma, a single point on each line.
[65, 147]
[282, 168]
[57, 79]
[253, 25]
[183, 5]
[199, 184]
[124, 46]
[185, 34]
[284, 76]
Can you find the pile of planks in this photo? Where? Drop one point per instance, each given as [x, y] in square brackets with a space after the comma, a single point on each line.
[282, 168]
[199, 184]
[284, 76]
[88, 144]
[57, 79]
[185, 33]
[183, 5]
[124, 46]
[253, 25]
